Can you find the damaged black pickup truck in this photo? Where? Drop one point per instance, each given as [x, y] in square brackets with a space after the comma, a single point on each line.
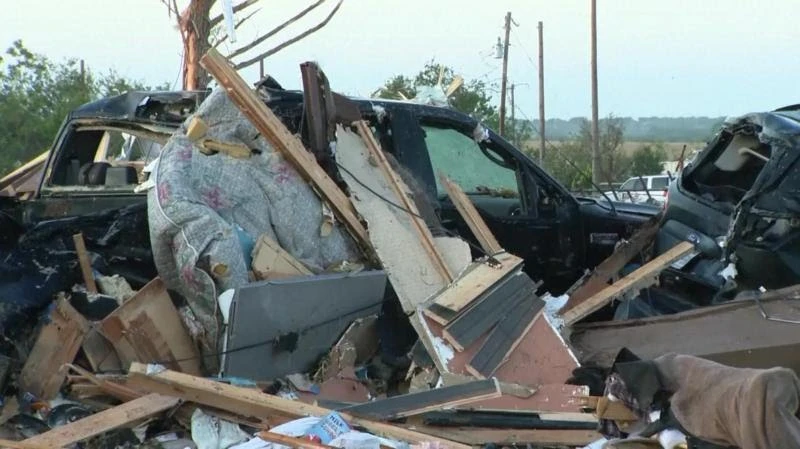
[93, 177]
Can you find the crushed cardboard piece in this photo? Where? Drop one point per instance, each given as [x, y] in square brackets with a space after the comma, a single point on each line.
[270, 261]
[148, 328]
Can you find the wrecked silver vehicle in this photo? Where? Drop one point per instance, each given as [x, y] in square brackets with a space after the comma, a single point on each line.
[737, 203]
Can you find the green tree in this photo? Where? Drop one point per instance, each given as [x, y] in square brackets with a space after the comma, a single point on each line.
[647, 159]
[472, 98]
[36, 94]
[571, 161]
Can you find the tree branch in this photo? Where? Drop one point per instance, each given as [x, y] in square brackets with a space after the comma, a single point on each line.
[274, 31]
[236, 27]
[291, 41]
[241, 6]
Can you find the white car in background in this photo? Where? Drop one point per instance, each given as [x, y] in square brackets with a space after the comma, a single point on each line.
[650, 189]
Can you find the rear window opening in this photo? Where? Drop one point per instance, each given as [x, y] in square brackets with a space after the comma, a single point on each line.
[106, 156]
[731, 166]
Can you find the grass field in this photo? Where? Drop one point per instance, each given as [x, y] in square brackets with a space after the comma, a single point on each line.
[673, 149]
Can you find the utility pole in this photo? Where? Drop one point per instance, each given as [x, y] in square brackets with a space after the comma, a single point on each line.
[542, 139]
[513, 121]
[503, 82]
[596, 162]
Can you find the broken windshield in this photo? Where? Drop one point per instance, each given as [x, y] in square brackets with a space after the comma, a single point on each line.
[460, 158]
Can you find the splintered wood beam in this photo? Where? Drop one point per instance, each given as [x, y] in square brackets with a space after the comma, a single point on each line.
[642, 277]
[402, 192]
[250, 402]
[609, 268]
[85, 263]
[289, 145]
[471, 215]
[102, 422]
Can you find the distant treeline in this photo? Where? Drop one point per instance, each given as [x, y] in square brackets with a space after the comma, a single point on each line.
[666, 129]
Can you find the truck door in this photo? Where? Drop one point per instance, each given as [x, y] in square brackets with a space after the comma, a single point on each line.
[527, 215]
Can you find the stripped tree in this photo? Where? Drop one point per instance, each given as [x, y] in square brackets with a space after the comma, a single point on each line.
[199, 32]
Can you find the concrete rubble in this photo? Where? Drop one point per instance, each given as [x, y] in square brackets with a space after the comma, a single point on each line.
[283, 280]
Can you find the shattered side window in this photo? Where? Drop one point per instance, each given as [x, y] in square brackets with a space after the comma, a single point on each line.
[460, 158]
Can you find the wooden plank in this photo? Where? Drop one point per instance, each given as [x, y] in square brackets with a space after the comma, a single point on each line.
[58, 343]
[471, 216]
[643, 276]
[475, 280]
[147, 328]
[426, 401]
[481, 436]
[704, 332]
[270, 261]
[488, 310]
[249, 402]
[290, 146]
[234, 150]
[610, 267]
[402, 192]
[504, 338]
[86, 265]
[101, 422]
[10, 444]
[111, 388]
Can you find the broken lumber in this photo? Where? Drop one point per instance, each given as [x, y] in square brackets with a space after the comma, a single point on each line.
[703, 332]
[270, 261]
[290, 146]
[235, 150]
[402, 192]
[102, 422]
[425, 401]
[10, 444]
[147, 328]
[294, 442]
[611, 266]
[249, 402]
[471, 216]
[482, 436]
[642, 277]
[488, 310]
[505, 337]
[470, 285]
[58, 343]
[85, 263]
[603, 408]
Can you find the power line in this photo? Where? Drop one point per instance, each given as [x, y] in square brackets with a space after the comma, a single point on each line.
[525, 51]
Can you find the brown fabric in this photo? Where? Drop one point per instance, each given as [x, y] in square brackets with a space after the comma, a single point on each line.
[742, 407]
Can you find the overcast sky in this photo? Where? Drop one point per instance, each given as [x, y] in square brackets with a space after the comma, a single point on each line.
[663, 58]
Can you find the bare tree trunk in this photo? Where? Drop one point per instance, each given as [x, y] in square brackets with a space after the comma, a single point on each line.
[195, 29]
